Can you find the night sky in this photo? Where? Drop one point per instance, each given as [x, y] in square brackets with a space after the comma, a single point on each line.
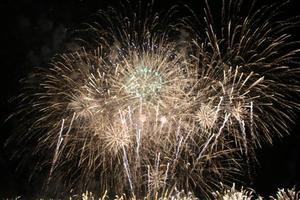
[32, 31]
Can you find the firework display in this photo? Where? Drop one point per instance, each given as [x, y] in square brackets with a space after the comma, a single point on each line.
[139, 110]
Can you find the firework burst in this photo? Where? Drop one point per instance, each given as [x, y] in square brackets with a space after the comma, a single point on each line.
[253, 62]
[135, 112]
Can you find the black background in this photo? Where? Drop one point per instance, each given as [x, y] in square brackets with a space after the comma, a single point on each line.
[32, 31]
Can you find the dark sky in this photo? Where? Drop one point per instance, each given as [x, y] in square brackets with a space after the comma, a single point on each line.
[32, 31]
